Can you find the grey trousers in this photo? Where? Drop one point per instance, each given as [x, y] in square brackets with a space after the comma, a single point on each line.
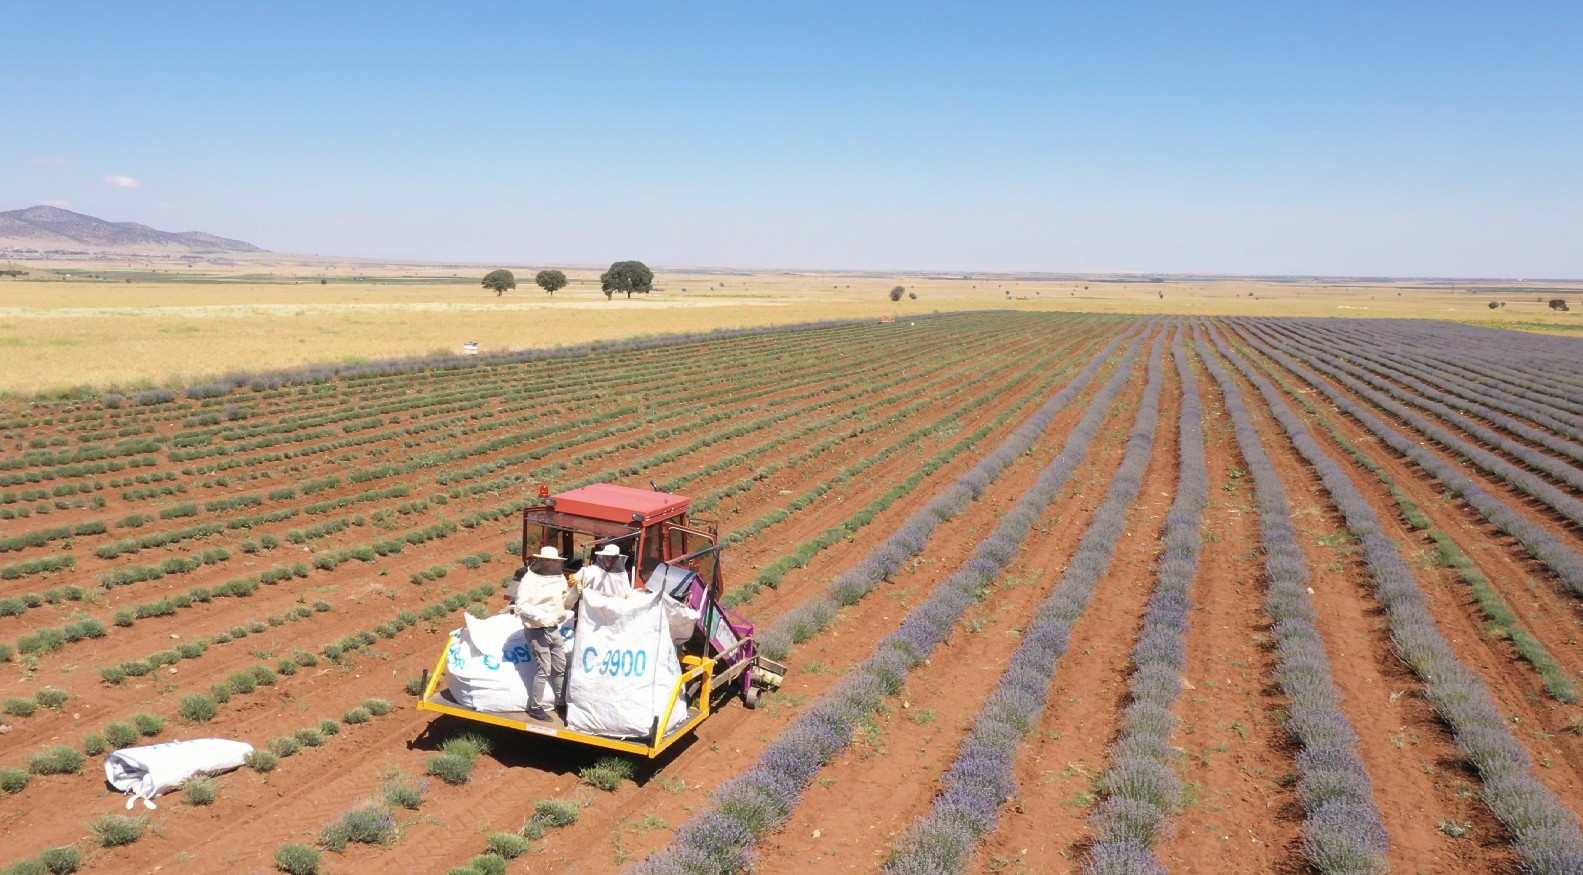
[545, 646]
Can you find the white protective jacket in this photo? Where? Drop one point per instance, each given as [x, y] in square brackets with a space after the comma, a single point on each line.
[544, 601]
[611, 583]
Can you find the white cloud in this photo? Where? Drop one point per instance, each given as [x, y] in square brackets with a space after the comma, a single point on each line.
[121, 182]
[52, 159]
[62, 204]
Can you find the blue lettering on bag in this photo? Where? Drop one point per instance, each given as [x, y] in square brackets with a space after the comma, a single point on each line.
[616, 663]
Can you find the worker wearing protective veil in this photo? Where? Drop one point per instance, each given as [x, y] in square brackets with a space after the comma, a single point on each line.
[543, 602]
[608, 575]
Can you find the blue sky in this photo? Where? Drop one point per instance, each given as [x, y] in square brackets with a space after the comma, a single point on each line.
[1355, 138]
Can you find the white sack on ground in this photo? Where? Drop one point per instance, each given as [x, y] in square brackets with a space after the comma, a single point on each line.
[624, 667]
[488, 667]
[146, 772]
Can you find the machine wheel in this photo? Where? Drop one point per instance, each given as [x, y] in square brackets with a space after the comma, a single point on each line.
[750, 697]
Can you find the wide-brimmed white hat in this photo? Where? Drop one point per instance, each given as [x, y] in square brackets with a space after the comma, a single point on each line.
[548, 553]
[608, 550]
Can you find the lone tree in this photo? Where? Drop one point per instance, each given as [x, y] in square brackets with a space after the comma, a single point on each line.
[1558, 304]
[550, 280]
[499, 281]
[896, 293]
[626, 276]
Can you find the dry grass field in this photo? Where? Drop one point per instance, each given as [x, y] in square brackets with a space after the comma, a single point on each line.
[136, 324]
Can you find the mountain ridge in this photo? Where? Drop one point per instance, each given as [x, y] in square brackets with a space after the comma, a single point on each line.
[47, 227]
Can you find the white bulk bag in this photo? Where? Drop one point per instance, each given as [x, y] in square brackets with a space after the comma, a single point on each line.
[146, 772]
[681, 620]
[488, 667]
[623, 667]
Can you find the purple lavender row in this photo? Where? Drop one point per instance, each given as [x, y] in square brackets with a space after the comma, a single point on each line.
[981, 778]
[1142, 787]
[447, 362]
[1491, 358]
[1489, 405]
[847, 588]
[1540, 543]
[1545, 831]
[719, 841]
[1343, 833]
[1430, 363]
[1328, 359]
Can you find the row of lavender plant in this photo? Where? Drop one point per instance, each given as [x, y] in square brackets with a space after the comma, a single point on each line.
[982, 779]
[1491, 403]
[1501, 358]
[1142, 788]
[1343, 833]
[808, 618]
[1538, 541]
[1330, 358]
[1546, 833]
[1503, 620]
[389, 367]
[745, 808]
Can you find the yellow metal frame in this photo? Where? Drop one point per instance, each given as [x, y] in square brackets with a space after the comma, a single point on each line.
[700, 667]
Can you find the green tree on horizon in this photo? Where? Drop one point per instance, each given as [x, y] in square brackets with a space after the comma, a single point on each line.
[499, 281]
[626, 276]
[550, 281]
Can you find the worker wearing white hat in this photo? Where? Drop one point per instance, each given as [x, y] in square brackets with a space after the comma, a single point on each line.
[608, 574]
[544, 601]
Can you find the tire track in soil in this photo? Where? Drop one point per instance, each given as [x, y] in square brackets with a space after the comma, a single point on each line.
[895, 765]
[1040, 830]
[1235, 749]
[485, 783]
[1419, 774]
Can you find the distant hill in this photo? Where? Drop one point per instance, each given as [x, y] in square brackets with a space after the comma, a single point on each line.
[44, 227]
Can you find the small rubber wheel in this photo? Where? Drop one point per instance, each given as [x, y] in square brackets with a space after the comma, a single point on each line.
[750, 697]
